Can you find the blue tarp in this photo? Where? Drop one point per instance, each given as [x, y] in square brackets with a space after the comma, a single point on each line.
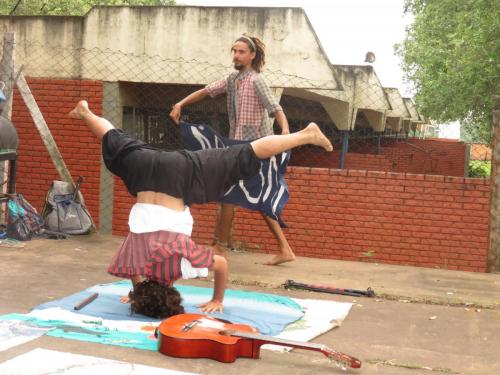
[269, 313]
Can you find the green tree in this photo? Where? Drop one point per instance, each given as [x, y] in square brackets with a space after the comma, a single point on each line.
[65, 7]
[451, 57]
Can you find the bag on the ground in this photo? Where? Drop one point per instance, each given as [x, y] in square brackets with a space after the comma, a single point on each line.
[64, 210]
[23, 220]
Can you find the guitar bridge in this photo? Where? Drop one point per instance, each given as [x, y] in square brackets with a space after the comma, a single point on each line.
[189, 325]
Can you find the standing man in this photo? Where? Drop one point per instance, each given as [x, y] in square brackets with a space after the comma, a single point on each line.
[250, 104]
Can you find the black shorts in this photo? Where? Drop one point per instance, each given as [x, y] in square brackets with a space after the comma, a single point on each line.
[196, 176]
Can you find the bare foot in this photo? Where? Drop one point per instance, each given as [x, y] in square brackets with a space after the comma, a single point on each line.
[279, 259]
[318, 138]
[80, 110]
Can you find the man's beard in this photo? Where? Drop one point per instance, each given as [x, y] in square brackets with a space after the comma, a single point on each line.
[238, 66]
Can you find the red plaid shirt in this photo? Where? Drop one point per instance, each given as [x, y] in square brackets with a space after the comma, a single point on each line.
[164, 266]
[249, 104]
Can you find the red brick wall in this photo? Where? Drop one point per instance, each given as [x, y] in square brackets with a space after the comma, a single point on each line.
[420, 156]
[430, 156]
[396, 218]
[321, 159]
[77, 145]
[420, 220]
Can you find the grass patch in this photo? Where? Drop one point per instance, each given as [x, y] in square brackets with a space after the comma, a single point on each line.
[479, 168]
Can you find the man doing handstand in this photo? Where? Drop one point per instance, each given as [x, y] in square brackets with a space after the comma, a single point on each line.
[158, 249]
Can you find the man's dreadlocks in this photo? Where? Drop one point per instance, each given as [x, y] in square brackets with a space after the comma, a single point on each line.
[256, 45]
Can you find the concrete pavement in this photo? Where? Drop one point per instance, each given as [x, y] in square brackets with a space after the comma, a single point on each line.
[410, 284]
[422, 319]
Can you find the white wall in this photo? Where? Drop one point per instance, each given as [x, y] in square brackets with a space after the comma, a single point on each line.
[201, 34]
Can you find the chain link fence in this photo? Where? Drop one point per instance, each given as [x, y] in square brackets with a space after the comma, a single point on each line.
[149, 85]
[356, 113]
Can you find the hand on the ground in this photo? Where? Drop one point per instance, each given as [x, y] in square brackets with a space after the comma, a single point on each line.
[125, 299]
[175, 113]
[212, 306]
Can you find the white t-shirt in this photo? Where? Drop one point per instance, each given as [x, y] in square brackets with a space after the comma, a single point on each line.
[145, 218]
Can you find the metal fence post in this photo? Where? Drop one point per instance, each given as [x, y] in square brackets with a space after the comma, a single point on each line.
[344, 149]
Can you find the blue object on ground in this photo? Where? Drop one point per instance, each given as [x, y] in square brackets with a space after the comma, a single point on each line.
[269, 313]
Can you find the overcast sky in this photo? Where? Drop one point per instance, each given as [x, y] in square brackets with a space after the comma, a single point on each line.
[348, 29]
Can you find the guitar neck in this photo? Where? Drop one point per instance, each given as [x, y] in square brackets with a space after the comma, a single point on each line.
[277, 341]
[330, 353]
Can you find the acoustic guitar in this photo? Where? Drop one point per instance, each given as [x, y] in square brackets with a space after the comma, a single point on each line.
[201, 336]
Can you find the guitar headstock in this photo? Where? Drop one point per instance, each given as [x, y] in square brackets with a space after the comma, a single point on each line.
[340, 359]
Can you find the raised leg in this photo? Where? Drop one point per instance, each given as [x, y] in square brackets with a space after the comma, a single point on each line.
[98, 125]
[274, 144]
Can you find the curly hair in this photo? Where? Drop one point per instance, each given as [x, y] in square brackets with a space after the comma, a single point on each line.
[154, 300]
[258, 47]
